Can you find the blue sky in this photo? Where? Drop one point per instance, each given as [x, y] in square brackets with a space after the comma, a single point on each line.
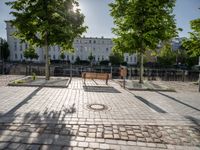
[99, 21]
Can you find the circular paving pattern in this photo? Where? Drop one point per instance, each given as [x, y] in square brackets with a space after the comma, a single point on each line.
[97, 107]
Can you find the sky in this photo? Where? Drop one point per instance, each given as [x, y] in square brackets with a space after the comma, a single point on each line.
[100, 23]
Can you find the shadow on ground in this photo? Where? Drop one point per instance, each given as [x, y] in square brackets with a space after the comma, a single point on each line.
[103, 89]
[178, 101]
[34, 130]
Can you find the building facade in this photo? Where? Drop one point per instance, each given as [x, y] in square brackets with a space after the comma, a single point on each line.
[101, 49]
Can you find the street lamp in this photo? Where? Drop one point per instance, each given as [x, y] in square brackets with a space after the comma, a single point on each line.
[1, 55]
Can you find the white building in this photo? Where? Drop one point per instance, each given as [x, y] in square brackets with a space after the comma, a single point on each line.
[100, 48]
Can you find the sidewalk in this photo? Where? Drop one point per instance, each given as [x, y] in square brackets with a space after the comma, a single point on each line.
[44, 118]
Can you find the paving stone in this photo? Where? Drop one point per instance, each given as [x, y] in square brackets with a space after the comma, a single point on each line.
[139, 135]
[3, 145]
[90, 139]
[82, 134]
[116, 136]
[115, 147]
[100, 140]
[109, 136]
[83, 129]
[83, 144]
[14, 145]
[73, 143]
[50, 147]
[99, 134]
[104, 146]
[92, 135]
[33, 147]
[94, 145]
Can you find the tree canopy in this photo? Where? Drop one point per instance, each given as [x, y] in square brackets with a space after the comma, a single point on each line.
[5, 52]
[193, 43]
[140, 25]
[30, 53]
[47, 22]
[33, 18]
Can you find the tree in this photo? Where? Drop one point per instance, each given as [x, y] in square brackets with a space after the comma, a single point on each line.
[78, 60]
[46, 23]
[62, 56]
[116, 58]
[166, 57]
[91, 58]
[5, 52]
[193, 43]
[141, 25]
[30, 53]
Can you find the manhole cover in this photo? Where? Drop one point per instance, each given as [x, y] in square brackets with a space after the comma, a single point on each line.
[97, 107]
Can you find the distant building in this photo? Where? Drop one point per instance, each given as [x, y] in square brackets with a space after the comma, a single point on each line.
[100, 48]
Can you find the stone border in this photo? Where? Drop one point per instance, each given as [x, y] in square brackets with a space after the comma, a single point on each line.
[38, 85]
[145, 89]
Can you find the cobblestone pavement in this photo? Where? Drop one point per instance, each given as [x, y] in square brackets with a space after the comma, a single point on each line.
[4, 79]
[180, 86]
[54, 118]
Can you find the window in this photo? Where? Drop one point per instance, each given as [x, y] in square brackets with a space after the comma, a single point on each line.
[54, 57]
[15, 56]
[94, 41]
[72, 57]
[131, 58]
[134, 59]
[20, 47]
[106, 49]
[90, 41]
[15, 46]
[102, 57]
[126, 58]
[21, 56]
[93, 49]
[26, 45]
[102, 42]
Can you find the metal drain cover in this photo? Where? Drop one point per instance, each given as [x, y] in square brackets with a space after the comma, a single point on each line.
[97, 107]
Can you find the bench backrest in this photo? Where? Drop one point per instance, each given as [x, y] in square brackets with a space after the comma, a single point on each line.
[93, 75]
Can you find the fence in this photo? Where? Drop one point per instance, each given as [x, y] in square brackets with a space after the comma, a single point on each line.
[133, 72]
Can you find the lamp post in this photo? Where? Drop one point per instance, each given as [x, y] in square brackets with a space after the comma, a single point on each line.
[199, 74]
[1, 55]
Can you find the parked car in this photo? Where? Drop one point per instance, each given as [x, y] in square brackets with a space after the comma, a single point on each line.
[196, 68]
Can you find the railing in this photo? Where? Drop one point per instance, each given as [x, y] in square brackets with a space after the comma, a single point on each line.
[133, 72]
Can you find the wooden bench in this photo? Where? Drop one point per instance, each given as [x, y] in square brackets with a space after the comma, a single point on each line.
[93, 75]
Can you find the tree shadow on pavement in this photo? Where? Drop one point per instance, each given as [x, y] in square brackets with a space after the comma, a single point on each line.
[36, 130]
[174, 99]
[194, 120]
[103, 89]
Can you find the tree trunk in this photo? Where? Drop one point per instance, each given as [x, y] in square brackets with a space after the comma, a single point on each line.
[46, 47]
[141, 68]
[199, 82]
